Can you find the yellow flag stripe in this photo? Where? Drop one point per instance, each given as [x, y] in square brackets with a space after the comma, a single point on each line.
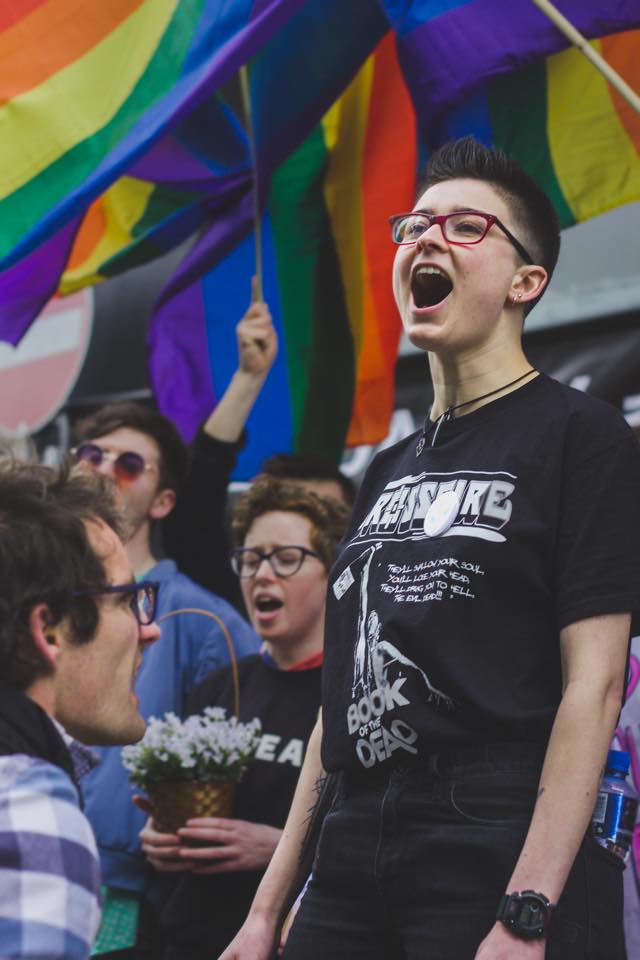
[123, 205]
[40, 126]
[587, 137]
[344, 127]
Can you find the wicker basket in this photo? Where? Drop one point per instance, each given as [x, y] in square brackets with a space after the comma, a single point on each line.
[173, 802]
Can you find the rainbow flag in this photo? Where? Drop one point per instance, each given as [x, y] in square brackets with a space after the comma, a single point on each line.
[66, 135]
[159, 154]
[581, 139]
[204, 164]
[167, 196]
[86, 89]
[449, 49]
[328, 255]
[327, 265]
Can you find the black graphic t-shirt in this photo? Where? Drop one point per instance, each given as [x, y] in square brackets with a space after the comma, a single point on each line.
[462, 564]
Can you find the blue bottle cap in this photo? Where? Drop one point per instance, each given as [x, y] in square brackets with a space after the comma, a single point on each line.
[618, 760]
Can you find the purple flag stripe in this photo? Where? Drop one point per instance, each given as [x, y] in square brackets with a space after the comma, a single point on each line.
[26, 288]
[451, 56]
[178, 345]
[180, 368]
[231, 219]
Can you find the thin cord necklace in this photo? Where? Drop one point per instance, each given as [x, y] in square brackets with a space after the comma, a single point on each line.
[449, 412]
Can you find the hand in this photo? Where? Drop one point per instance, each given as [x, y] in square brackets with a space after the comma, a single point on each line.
[257, 339]
[162, 850]
[234, 844]
[290, 917]
[254, 941]
[499, 944]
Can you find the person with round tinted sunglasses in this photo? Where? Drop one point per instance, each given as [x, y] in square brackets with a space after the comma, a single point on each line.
[127, 465]
[477, 626]
[142, 453]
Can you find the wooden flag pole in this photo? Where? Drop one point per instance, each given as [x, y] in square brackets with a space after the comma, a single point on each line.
[575, 37]
[257, 218]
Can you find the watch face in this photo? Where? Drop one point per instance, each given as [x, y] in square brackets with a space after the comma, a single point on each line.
[525, 914]
[533, 915]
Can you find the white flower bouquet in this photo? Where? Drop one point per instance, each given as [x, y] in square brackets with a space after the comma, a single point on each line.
[190, 767]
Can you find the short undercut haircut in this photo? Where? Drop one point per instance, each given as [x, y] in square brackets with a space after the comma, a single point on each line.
[46, 556]
[328, 517]
[174, 456]
[535, 219]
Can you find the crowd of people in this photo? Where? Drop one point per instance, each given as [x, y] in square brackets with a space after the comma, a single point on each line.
[437, 663]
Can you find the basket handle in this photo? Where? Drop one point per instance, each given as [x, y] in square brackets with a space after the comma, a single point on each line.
[233, 660]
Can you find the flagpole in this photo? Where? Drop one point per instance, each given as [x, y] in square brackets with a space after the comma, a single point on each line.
[257, 218]
[581, 42]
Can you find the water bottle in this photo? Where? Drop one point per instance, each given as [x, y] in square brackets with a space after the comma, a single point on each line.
[614, 816]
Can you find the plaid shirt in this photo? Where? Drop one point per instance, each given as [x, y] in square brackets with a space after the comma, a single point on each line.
[49, 868]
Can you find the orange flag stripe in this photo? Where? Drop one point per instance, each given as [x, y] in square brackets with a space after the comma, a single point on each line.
[621, 52]
[26, 68]
[388, 186]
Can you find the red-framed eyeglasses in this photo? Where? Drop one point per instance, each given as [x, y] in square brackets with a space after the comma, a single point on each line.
[461, 228]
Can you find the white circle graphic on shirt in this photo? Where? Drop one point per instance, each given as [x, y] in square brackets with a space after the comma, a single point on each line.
[441, 514]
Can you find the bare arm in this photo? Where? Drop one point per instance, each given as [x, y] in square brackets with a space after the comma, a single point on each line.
[257, 349]
[257, 937]
[594, 656]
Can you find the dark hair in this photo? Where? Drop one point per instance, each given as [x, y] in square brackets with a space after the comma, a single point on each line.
[173, 451]
[294, 467]
[534, 215]
[45, 556]
[327, 515]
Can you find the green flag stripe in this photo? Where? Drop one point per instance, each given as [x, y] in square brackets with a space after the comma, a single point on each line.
[313, 305]
[525, 94]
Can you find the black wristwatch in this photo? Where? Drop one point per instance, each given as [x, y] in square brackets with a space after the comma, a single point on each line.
[526, 914]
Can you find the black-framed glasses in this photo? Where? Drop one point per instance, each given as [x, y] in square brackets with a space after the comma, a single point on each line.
[284, 561]
[126, 465]
[462, 228]
[144, 598]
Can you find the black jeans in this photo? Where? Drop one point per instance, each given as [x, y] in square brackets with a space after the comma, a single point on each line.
[412, 864]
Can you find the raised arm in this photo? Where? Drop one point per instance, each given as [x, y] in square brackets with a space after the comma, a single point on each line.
[195, 534]
[594, 656]
[257, 349]
[257, 937]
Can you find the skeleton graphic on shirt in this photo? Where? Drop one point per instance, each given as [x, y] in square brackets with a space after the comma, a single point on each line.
[374, 654]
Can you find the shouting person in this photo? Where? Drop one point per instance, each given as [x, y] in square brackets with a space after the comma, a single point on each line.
[287, 540]
[506, 572]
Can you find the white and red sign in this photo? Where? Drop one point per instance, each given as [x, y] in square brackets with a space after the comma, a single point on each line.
[37, 376]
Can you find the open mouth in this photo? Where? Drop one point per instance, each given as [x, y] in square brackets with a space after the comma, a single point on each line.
[267, 604]
[429, 286]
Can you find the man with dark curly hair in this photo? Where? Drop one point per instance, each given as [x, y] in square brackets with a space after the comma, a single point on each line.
[73, 623]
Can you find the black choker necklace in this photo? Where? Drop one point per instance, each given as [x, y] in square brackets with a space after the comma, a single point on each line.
[449, 412]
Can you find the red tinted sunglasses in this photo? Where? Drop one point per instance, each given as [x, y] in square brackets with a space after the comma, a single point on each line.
[126, 465]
